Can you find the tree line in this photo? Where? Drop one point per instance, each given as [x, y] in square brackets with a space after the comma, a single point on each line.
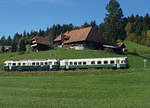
[114, 27]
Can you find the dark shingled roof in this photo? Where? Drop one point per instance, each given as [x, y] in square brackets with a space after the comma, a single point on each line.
[41, 40]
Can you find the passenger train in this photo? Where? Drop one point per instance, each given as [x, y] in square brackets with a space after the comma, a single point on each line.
[66, 64]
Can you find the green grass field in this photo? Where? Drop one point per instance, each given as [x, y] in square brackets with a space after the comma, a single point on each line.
[129, 88]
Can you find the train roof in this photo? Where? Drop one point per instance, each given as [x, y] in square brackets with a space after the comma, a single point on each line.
[35, 60]
[112, 58]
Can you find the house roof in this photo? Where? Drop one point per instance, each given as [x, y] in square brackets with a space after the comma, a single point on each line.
[78, 35]
[41, 40]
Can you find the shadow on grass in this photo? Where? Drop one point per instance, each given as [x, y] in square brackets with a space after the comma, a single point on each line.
[136, 54]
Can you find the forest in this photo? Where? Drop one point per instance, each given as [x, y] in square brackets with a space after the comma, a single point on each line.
[115, 27]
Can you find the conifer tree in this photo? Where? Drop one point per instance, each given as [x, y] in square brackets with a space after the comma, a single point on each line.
[114, 29]
[22, 45]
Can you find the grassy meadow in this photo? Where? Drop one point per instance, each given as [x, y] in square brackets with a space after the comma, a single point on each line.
[128, 88]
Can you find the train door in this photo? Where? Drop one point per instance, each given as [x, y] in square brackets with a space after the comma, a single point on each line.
[9, 66]
[67, 65]
[118, 64]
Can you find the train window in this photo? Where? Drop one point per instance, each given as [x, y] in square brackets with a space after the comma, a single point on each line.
[112, 62]
[23, 64]
[105, 62]
[75, 63]
[33, 64]
[9, 64]
[99, 62]
[84, 63]
[92, 62]
[37, 63]
[14, 64]
[41, 63]
[66, 63]
[79, 63]
[71, 63]
[55, 63]
[45, 63]
[19, 64]
[122, 62]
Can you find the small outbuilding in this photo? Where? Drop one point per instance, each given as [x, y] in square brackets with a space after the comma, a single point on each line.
[40, 43]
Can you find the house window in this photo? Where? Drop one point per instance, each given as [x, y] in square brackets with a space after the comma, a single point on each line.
[112, 62]
[92, 62]
[105, 62]
[99, 62]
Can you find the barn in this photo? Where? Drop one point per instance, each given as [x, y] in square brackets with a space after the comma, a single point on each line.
[79, 39]
[40, 44]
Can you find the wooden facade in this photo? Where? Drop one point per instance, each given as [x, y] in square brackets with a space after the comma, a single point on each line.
[40, 44]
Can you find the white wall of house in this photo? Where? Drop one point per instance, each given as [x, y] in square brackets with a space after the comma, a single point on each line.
[78, 47]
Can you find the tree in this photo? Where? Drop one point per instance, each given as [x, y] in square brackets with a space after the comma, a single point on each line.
[3, 49]
[3, 40]
[22, 45]
[85, 25]
[9, 40]
[14, 46]
[114, 23]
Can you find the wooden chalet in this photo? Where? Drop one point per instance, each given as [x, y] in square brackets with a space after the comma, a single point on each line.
[118, 48]
[40, 44]
[79, 39]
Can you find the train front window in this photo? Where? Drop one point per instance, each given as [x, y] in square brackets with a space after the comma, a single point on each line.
[122, 62]
[71, 63]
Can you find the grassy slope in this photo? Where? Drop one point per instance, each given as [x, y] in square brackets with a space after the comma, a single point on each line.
[78, 89]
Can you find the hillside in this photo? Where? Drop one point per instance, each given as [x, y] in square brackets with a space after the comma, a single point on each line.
[136, 54]
[91, 88]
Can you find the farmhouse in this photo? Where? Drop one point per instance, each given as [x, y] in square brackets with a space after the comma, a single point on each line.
[79, 39]
[40, 44]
